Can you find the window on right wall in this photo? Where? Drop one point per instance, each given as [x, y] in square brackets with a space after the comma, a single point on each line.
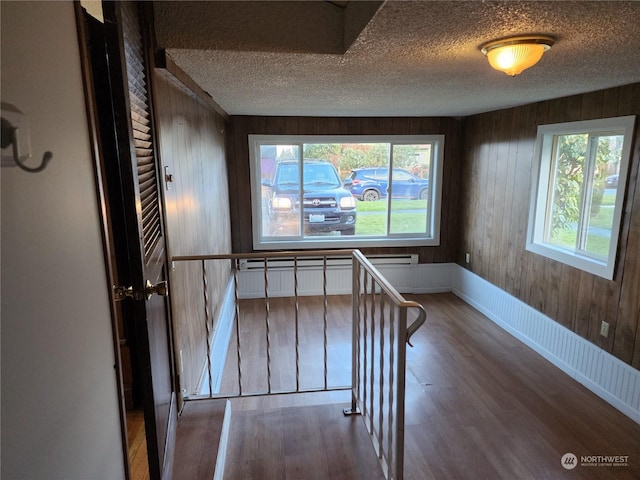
[578, 192]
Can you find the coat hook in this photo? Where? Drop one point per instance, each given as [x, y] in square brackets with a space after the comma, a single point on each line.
[9, 137]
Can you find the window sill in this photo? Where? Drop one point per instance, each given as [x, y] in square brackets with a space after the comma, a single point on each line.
[600, 268]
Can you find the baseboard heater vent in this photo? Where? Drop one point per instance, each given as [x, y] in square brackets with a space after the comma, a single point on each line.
[248, 264]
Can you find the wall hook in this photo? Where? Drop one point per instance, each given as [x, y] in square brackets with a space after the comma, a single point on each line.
[9, 138]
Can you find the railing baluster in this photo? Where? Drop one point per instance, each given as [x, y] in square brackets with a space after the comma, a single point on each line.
[355, 336]
[297, 312]
[267, 326]
[324, 316]
[381, 383]
[392, 330]
[207, 314]
[365, 322]
[401, 381]
[371, 299]
[237, 324]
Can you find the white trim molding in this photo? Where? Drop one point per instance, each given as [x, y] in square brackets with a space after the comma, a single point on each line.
[219, 343]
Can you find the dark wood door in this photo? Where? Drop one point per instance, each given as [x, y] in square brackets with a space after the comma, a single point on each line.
[128, 173]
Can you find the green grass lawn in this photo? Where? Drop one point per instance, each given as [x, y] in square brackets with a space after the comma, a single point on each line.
[597, 242]
[408, 216]
[609, 199]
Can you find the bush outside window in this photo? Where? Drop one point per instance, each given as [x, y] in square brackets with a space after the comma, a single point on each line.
[345, 191]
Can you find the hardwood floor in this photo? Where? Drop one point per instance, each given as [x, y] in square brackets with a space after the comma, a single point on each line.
[197, 439]
[137, 444]
[253, 341]
[311, 442]
[479, 405]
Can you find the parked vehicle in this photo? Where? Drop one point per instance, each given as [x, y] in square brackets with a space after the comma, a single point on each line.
[611, 181]
[371, 184]
[327, 206]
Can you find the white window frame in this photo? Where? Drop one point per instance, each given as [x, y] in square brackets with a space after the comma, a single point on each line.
[542, 178]
[435, 191]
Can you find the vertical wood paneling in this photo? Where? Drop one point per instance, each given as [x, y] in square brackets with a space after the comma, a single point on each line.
[505, 273]
[495, 174]
[239, 127]
[451, 177]
[197, 208]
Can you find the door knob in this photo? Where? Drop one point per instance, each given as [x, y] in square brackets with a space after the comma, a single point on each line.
[161, 289]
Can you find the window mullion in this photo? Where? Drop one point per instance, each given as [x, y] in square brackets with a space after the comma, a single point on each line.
[551, 190]
[389, 187]
[587, 192]
[427, 227]
[301, 186]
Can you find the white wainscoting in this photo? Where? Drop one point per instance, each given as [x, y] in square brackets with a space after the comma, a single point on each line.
[602, 373]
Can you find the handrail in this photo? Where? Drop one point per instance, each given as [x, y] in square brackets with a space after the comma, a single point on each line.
[379, 361]
[394, 294]
[413, 328]
[266, 254]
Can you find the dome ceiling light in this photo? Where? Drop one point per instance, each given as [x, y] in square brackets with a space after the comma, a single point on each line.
[513, 55]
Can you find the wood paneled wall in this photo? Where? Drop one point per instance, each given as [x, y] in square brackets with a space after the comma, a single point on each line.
[496, 184]
[192, 150]
[239, 127]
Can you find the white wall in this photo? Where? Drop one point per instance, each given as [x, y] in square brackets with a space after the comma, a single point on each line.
[59, 397]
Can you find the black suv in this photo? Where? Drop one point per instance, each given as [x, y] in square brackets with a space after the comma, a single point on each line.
[327, 206]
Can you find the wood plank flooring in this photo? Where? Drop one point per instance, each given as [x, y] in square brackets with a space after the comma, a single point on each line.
[198, 437]
[137, 445]
[281, 339]
[480, 405]
[313, 443]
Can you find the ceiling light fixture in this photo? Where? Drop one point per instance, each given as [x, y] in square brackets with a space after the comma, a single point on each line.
[515, 54]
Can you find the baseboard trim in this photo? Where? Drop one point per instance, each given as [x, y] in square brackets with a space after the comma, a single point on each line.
[170, 445]
[224, 441]
[220, 339]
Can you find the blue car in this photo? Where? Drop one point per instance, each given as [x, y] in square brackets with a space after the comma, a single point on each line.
[371, 184]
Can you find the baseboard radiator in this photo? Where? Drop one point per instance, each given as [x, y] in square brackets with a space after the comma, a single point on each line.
[281, 278]
[341, 261]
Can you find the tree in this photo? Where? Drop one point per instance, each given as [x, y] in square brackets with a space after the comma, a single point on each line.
[571, 186]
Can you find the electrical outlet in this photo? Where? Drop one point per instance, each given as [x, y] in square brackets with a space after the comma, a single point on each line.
[467, 257]
[604, 329]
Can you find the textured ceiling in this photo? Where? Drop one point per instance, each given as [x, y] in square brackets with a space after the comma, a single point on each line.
[393, 58]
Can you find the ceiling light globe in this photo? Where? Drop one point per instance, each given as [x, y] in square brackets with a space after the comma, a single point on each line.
[513, 56]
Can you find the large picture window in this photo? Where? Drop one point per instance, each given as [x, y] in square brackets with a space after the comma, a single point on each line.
[345, 191]
[576, 205]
